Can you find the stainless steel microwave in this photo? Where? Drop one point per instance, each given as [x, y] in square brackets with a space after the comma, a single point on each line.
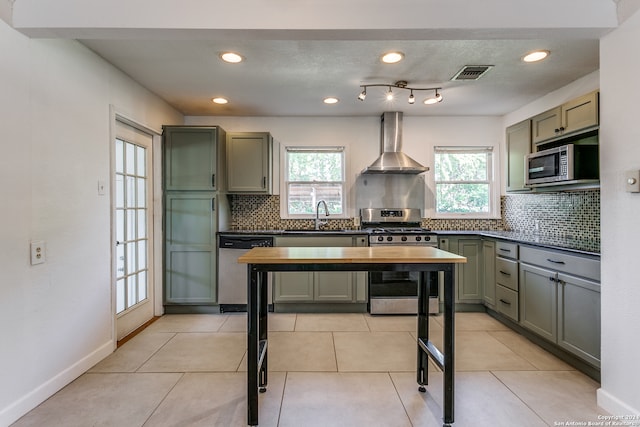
[561, 165]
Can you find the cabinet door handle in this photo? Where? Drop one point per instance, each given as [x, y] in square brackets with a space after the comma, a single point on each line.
[264, 182]
[213, 204]
[552, 279]
[505, 302]
[555, 262]
[213, 179]
[561, 282]
[505, 273]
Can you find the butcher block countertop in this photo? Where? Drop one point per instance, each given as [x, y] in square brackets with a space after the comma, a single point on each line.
[350, 255]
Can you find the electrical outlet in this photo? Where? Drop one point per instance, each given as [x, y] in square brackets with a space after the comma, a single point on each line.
[38, 255]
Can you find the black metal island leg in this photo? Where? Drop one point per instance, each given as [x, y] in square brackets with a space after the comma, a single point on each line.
[257, 340]
[426, 348]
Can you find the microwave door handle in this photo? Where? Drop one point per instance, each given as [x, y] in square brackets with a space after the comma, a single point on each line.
[537, 169]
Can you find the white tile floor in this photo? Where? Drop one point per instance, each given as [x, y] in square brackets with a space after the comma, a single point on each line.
[324, 370]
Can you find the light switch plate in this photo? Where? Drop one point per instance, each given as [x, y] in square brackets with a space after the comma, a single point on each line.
[38, 255]
[632, 181]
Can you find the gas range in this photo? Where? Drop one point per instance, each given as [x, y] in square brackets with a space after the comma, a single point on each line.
[397, 226]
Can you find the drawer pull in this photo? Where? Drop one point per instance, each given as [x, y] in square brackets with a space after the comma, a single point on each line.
[505, 250]
[505, 302]
[555, 262]
[505, 273]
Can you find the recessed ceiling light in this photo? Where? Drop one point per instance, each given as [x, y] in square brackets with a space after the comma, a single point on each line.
[231, 57]
[392, 57]
[537, 55]
[331, 100]
[220, 100]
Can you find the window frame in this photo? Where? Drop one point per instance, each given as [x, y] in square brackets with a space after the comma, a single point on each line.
[284, 196]
[492, 181]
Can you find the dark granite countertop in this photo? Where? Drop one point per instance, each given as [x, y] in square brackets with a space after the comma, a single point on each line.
[581, 246]
[292, 232]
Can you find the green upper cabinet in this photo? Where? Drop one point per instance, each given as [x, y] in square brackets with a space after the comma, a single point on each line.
[194, 158]
[518, 145]
[253, 163]
[579, 114]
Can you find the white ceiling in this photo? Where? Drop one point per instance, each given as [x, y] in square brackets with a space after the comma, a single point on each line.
[288, 73]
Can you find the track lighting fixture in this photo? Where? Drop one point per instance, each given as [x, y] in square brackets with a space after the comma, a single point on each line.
[402, 84]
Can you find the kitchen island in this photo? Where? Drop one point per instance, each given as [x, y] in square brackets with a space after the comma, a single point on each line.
[260, 261]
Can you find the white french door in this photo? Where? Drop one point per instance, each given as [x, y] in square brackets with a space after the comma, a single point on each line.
[132, 222]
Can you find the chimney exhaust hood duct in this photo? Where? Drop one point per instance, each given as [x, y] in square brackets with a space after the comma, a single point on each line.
[392, 159]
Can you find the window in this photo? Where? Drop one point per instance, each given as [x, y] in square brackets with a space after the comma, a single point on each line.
[314, 174]
[464, 182]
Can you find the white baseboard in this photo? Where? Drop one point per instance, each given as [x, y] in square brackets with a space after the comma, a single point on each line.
[613, 405]
[24, 404]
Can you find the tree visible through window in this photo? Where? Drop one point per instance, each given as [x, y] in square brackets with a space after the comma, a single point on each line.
[464, 180]
[314, 174]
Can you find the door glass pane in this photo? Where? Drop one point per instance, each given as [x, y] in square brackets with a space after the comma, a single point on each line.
[120, 304]
[120, 225]
[142, 223]
[119, 191]
[120, 261]
[142, 255]
[119, 156]
[130, 159]
[131, 192]
[132, 288]
[131, 224]
[131, 257]
[142, 193]
[141, 169]
[142, 286]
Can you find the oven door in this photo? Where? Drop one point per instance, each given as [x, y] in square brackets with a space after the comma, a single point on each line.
[396, 292]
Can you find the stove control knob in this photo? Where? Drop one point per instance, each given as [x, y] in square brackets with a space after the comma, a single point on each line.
[403, 238]
[418, 238]
[380, 238]
[389, 239]
[427, 238]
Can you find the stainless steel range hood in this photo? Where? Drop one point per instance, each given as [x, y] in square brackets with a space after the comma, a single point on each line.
[392, 159]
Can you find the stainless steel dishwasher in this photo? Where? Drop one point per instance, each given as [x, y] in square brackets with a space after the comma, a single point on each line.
[232, 277]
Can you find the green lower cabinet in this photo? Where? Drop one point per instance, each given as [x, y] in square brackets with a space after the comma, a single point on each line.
[489, 267]
[293, 286]
[579, 317]
[470, 274]
[320, 287]
[190, 248]
[562, 308]
[538, 301]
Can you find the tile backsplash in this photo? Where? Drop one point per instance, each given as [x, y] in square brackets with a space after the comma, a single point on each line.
[572, 215]
[564, 215]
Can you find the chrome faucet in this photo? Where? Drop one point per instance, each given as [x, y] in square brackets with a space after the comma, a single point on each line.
[320, 223]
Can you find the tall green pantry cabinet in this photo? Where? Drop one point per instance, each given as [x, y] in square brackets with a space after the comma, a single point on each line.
[195, 208]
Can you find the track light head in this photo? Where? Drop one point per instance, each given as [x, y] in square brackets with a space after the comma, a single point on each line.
[363, 94]
[389, 95]
[412, 98]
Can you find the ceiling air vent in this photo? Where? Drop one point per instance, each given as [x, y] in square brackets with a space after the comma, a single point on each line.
[471, 72]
